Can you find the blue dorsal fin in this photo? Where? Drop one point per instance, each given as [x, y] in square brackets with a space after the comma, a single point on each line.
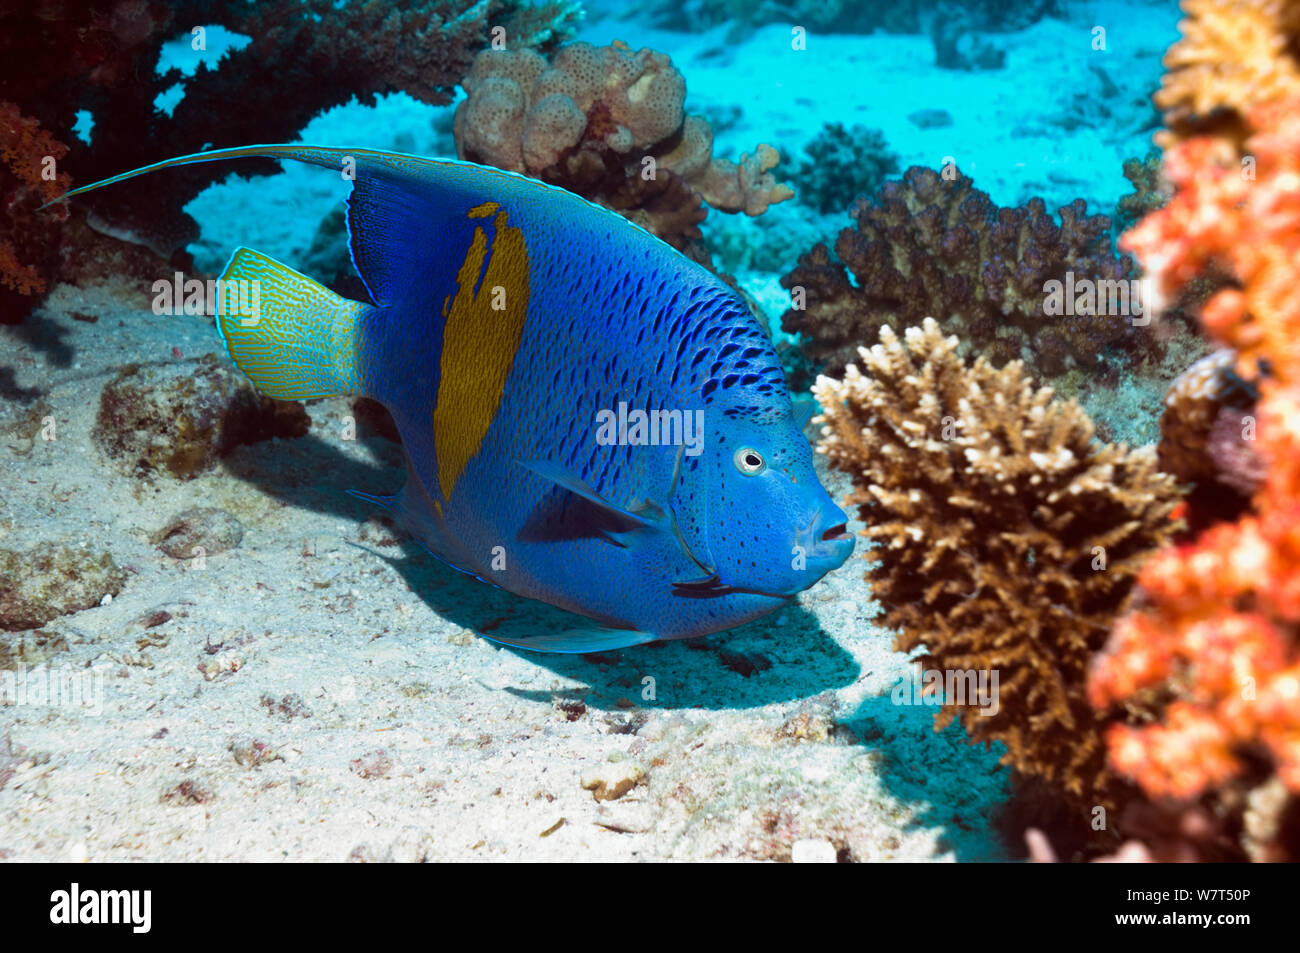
[316, 155]
[410, 218]
[403, 211]
[394, 233]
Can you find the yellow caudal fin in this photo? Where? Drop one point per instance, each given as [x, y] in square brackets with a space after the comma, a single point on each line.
[292, 336]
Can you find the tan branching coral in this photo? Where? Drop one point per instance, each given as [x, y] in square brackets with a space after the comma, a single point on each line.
[1009, 539]
[591, 117]
[1234, 56]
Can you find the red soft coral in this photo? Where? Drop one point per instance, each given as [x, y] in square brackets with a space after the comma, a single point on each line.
[29, 177]
[28, 150]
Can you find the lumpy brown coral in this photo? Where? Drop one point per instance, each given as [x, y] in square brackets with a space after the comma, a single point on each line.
[1008, 538]
[608, 123]
[932, 245]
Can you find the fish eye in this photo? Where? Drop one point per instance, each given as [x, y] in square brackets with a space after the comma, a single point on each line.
[749, 461]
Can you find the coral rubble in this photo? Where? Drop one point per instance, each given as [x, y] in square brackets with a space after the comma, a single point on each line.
[180, 419]
[199, 528]
[1008, 538]
[51, 580]
[932, 245]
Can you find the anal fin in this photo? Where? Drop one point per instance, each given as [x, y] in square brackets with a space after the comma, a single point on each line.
[577, 641]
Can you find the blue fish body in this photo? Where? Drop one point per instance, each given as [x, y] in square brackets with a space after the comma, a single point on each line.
[590, 418]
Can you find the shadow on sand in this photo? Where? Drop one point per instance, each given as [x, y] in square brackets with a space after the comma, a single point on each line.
[724, 671]
[950, 784]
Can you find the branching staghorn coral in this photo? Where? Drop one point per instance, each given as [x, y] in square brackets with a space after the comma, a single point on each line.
[932, 245]
[608, 123]
[1217, 637]
[1008, 539]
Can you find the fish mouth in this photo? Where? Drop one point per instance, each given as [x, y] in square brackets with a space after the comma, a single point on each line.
[825, 550]
[833, 544]
[837, 533]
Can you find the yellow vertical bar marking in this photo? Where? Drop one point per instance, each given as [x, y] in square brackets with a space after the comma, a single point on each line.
[478, 343]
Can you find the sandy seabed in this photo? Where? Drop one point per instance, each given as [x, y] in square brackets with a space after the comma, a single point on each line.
[318, 692]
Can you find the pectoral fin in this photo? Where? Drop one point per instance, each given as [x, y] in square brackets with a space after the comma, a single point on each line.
[643, 517]
[702, 588]
[627, 521]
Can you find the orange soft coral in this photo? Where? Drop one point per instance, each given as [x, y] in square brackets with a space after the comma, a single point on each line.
[1219, 638]
[1242, 218]
[1234, 56]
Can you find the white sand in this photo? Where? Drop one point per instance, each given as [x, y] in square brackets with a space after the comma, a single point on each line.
[373, 639]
